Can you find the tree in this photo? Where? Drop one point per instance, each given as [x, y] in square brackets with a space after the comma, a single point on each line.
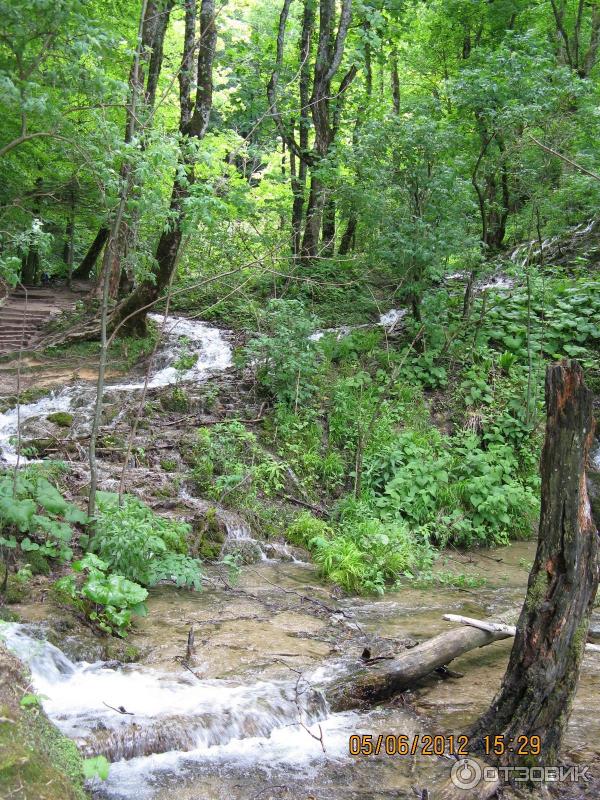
[193, 124]
[145, 69]
[324, 102]
[541, 679]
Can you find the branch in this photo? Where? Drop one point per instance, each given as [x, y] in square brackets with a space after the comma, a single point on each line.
[340, 39]
[573, 164]
[25, 138]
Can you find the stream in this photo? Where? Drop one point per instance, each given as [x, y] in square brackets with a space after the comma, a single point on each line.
[247, 718]
[240, 726]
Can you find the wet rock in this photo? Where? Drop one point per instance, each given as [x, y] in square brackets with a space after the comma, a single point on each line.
[36, 760]
[248, 551]
[61, 418]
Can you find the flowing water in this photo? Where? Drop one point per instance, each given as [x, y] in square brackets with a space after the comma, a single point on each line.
[246, 717]
[240, 720]
[181, 336]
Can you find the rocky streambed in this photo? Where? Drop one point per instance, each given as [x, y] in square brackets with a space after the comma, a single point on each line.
[244, 715]
[247, 715]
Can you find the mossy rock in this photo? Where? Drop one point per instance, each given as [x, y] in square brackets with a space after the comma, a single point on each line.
[61, 418]
[15, 592]
[26, 397]
[209, 551]
[36, 760]
[176, 400]
[38, 563]
[248, 551]
[207, 536]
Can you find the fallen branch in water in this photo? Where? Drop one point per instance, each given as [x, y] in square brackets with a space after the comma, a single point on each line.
[119, 710]
[498, 627]
[378, 680]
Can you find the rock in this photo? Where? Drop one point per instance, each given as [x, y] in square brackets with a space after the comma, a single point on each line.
[248, 550]
[61, 418]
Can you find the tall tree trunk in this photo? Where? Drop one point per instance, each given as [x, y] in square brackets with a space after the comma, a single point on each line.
[395, 83]
[194, 120]
[84, 270]
[330, 49]
[541, 679]
[154, 24]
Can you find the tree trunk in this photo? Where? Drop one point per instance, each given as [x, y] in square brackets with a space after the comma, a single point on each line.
[347, 242]
[328, 232]
[194, 120]
[541, 679]
[84, 270]
[154, 24]
[395, 83]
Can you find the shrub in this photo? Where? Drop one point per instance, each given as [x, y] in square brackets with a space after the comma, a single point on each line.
[108, 600]
[284, 356]
[360, 554]
[138, 544]
[34, 516]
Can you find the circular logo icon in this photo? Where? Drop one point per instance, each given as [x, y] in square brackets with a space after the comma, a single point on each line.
[466, 773]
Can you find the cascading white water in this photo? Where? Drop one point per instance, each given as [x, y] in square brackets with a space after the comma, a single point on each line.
[164, 711]
[389, 320]
[171, 718]
[212, 352]
[10, 420]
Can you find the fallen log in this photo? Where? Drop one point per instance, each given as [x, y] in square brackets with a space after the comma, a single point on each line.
[386, 678]
[500, 627]
[383, 678]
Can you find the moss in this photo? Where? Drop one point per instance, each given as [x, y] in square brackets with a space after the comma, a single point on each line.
[38, 563]
[579, 639]
[209, 551]
[537, 591]
[27, 396]
[168, 464]
[36, 760]
[61, 418]
[207, 536]
[177, 400]
[120, 651]
[8, 615]
[15, 592]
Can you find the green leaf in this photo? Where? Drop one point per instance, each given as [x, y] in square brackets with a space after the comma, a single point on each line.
[17, 512]
[97, 767]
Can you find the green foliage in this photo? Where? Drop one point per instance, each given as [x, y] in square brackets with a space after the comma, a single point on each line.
[142, 546]
[96, 767]
[284, 356]
[175, 400]
[108, 600]
[31, 700]
[453, 487]
[361, 554]
[35, 517]
[228, 459]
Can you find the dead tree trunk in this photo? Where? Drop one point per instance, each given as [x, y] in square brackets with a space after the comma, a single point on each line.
[540, 683]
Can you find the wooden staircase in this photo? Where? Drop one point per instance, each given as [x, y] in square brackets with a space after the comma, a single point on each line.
[26, 310]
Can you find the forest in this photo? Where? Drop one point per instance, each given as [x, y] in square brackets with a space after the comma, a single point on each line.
[299, 363]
